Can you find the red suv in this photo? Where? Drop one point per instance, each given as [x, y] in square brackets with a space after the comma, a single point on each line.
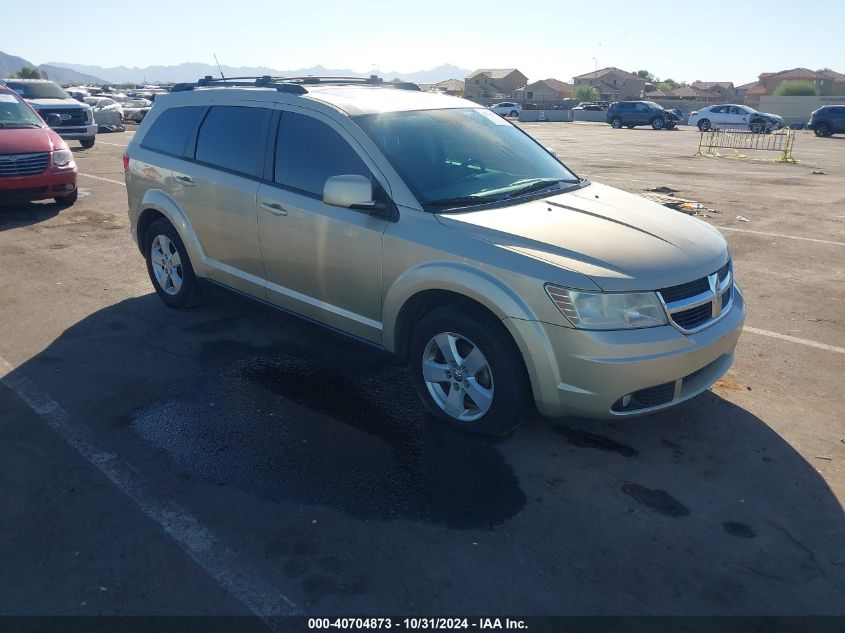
[35, 163]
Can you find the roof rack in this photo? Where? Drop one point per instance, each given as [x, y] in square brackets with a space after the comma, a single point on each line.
[293, 85]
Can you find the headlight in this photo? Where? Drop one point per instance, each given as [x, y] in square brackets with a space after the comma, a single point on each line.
[90, 114]
[608, 310]
[61, 157]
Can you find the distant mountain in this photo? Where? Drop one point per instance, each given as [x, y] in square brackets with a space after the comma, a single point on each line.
[10, 65]
[192, 71]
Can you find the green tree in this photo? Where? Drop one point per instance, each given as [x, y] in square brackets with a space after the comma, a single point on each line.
[668, 84]
[586, 93]
[644, 74]
[796, 89]
[28, 73]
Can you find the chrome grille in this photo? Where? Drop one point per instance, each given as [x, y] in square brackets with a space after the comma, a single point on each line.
[695, 305]
[69, 116]
[23, 164]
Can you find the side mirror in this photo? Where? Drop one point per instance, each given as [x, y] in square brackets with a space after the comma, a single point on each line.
[351, 191]
[53, 120]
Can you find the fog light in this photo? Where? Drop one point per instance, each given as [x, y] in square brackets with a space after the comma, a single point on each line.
[626, 400]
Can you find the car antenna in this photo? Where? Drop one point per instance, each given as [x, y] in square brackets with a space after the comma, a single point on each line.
[222, 76]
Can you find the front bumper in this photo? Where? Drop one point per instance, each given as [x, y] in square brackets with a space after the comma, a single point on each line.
[76, 132]
[589, 373]
[52, 183]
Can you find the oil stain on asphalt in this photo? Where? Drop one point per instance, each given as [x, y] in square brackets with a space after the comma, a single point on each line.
[346, 430]
[658, 500]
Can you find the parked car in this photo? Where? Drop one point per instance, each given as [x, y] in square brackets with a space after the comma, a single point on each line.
[632, 113]
[35, 162]
[76, 120]
[506, 108]
[828, 120]
[437, 231]
[591, 106]
[107, 111]
[735, 116]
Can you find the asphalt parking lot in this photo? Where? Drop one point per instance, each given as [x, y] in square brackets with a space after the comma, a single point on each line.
[229, 459]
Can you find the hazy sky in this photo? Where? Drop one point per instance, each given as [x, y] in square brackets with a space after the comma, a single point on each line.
[710, 40]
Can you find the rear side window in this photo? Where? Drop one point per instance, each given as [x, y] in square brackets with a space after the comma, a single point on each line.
[309, 152]
[170, 131]
[234, 138]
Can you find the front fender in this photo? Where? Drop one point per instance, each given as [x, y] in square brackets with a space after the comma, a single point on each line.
[163, 203]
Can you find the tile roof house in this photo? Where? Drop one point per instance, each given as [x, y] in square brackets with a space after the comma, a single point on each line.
[493, 83]
[613, 84]
[828, 82]
[546, 90]
[715, 90]
[453, 87]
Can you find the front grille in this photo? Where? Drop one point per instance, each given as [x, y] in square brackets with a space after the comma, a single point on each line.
[77, 115]
[9, 195]
[690, 305]
[23, 164]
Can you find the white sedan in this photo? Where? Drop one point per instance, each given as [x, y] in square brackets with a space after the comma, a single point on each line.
[102, 107]
[506, 108]
[734, 116]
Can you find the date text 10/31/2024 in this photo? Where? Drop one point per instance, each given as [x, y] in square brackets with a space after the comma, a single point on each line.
[356, 624]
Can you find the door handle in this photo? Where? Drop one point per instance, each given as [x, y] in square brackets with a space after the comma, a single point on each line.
[187, 181]
[275, 209]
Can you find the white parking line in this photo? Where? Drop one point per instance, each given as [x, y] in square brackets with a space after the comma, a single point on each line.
[115, 144]
[795, 339]
[115, 182]
[220, 562]
[791, 237]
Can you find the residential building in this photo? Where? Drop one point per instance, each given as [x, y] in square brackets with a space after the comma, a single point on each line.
[829, 82]
[717, 91]
[545, 90]
[750, 93]
[685, 92]
[454, 87]
[613, 84]
[495, 84]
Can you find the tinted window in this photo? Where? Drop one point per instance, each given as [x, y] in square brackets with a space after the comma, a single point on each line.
[234, 137]
[309, 152]
[170, 132]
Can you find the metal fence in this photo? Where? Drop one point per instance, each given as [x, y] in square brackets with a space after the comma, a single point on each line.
[737, 139]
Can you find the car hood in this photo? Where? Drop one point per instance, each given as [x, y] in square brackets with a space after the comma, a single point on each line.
[23, 141]
[56, 103]
[769, 115]
[621, 241]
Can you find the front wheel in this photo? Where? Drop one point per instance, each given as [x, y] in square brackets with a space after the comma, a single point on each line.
[467, 371]
[756, 127]
[704, 125]
[514, 113]
[658, 123]
[616, 123]
[170, 267]
[822, 130]
[88, 143]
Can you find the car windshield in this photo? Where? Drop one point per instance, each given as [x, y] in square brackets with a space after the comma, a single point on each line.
[37, 90]
[463, 157]
[16, 114]
[653, 105]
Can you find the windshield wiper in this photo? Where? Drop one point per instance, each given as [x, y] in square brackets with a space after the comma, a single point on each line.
[462, 201]
[18, 125]
[534, 186]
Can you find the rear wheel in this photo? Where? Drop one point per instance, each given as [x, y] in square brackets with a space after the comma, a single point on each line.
[658, 123]
[170, 267]
[468, 371]
[616, 123]
[704, 125]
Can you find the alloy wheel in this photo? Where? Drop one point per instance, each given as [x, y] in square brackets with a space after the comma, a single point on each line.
[167, 265]
[457, 376]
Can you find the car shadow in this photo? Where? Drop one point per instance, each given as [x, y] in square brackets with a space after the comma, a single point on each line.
[238, 398]
[18, 214]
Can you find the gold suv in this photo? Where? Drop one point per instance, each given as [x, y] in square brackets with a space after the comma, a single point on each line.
[439, 231]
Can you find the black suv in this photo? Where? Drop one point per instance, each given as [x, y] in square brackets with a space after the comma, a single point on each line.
[828, 120]
[633, 113]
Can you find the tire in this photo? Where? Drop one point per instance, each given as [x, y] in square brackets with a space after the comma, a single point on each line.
[514, 113]
[756, 127]
[630, 127]
[497, 381]
[704, 125]
[88, 143]
[823, 130]
[170, 267]
[616, 123]
[658, 123]
[67, 200]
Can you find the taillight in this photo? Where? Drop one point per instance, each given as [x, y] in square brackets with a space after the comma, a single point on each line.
[125, 162]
